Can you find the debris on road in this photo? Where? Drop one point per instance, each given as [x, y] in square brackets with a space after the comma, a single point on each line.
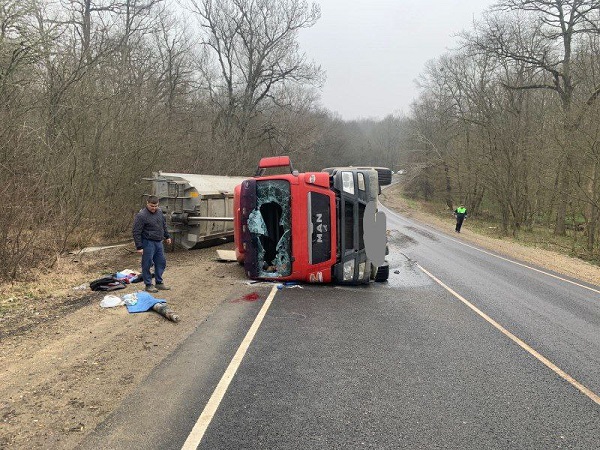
[226, 255]
[289, 285]
[110, 301]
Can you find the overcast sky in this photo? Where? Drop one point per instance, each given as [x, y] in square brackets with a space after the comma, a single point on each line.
[374, 50]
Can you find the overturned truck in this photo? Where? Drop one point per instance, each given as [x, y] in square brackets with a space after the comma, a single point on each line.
[317, 227]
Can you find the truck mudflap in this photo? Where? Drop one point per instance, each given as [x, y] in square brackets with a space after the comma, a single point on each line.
[266, 225]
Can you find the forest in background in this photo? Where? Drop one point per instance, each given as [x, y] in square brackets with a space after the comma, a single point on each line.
[508, 123]
[96, 95]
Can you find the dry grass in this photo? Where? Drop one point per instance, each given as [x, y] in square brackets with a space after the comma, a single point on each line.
[542, 237]
[69, 272]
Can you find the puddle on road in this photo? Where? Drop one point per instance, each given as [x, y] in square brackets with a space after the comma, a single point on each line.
[404, 272]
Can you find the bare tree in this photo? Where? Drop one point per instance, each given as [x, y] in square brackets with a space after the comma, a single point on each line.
[95, 95]
[254, 46]
[543, 35]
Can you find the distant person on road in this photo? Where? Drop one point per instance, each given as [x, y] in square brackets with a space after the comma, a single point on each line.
[460, 213]
[149, 231]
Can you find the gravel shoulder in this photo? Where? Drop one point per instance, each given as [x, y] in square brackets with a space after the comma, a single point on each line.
[67, 363]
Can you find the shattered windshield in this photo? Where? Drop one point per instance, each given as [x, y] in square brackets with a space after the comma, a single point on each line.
[270, 226]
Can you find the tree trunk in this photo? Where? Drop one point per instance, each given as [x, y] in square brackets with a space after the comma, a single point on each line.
[560, 227]
[448, 187]
[593, 220]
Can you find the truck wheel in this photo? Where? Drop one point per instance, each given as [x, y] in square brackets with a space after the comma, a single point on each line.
[383, 273]
[384, 175]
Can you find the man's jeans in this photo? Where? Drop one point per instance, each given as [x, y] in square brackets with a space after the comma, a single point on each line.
[154, 253]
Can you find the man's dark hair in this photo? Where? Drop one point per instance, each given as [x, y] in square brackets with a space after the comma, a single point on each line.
[152, 199]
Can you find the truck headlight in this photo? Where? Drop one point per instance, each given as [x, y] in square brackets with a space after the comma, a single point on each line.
[361, 270]
[348, 182]
[349, 270]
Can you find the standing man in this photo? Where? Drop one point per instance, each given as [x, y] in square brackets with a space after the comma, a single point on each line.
[460, 213]
[149, 230]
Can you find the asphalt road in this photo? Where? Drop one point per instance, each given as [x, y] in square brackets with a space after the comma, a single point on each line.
[500, 356]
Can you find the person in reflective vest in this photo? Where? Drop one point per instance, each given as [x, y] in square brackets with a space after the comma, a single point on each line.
[460, 213]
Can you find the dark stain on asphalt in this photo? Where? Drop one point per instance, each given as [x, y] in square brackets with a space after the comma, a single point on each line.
[399, 239]
[247, 298]
[424, 233]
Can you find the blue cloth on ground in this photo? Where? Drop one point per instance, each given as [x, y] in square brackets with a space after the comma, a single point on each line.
[144, 303]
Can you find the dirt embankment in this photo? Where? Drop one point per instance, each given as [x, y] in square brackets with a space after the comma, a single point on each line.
[67, 363]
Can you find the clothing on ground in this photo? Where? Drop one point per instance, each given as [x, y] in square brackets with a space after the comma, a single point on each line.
[145, 302]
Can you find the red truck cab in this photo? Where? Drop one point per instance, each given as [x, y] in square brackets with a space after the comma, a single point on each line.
[287, 226]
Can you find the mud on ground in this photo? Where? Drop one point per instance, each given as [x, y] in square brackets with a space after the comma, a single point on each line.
[66, 363]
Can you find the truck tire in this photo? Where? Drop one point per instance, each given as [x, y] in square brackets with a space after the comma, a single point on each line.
[384, 175]
[383, 273]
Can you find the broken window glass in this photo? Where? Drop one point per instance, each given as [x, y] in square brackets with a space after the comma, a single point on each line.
[256, 224]
[270, 224]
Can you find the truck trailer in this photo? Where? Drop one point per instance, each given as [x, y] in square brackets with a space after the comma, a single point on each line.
[198, 208]
[315, 227]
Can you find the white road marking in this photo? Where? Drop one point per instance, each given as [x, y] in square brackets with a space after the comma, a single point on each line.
[503, 258]
[211, 407]
[565, 376]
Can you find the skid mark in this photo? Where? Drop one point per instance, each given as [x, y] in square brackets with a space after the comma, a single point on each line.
[424, 233]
